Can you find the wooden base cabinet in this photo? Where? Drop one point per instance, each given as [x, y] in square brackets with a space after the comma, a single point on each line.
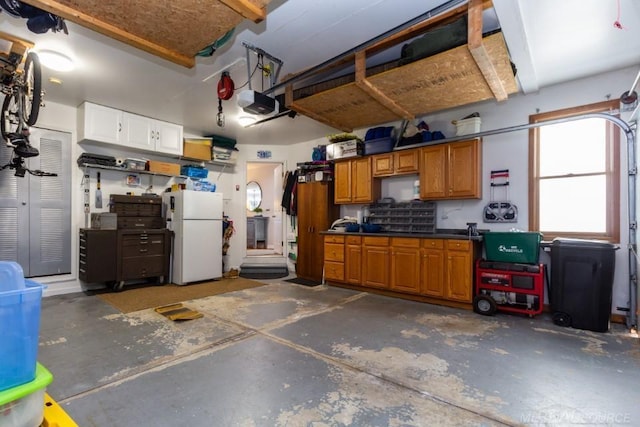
[459, 263]
[353, 260]
[375, 262]
[405, 265]
[334, 258]
[447, 269]
[434, 268]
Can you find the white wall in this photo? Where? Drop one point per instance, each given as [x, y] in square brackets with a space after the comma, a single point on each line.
[506, 151]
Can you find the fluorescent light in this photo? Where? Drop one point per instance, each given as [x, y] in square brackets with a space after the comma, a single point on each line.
[246, 120]
[55, 60]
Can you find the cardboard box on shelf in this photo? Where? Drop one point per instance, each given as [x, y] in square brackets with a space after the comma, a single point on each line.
[197, 148]
[164, 167]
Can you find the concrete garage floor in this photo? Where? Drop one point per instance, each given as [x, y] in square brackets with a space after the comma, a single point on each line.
[289, 355]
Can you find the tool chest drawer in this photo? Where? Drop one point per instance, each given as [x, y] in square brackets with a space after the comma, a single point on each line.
[142, 245]
[142, 267]
[143, 222]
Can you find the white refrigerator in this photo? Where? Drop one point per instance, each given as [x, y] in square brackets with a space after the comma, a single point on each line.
[196, 220]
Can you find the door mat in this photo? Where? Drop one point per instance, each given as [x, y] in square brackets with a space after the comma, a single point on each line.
[305, 282]
[141, 298]
[178, 312]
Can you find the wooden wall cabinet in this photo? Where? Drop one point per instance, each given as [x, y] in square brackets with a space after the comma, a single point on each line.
[451, 171]
[375, 262]
[316, 213]
[396, 163]
[405, 265]
[354, 181]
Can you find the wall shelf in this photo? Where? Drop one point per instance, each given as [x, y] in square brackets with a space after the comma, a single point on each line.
[130, 171]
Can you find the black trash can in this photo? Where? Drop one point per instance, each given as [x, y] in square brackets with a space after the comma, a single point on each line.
[581, 283]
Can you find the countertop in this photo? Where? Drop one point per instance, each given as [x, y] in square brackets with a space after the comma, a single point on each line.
[440, 234]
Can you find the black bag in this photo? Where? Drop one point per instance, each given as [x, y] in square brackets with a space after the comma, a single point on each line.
[435, 41]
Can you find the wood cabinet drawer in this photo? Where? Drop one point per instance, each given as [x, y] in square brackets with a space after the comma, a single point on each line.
[376, 241]
[405, 242]
[354, 240]
[334, 252]
[333, 239]
[460, 245]
[433, 243]
[334, 271]
[141, 267]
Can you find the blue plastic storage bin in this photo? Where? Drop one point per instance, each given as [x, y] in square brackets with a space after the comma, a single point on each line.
[381, 145]
[193, 172]
[19, 331]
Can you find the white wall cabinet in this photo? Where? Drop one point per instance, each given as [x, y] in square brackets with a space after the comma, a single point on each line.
[109, 125]
[98, 123]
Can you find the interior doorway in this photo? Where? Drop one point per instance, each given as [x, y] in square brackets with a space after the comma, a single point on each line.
[264, 213]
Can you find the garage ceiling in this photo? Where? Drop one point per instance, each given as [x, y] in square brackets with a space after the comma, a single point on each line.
[549, 41]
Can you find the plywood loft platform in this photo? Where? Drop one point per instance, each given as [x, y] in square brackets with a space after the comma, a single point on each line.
[477, 71]
[175, 30]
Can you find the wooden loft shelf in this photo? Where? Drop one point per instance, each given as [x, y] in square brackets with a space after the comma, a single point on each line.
[478, 71]
[174, 30]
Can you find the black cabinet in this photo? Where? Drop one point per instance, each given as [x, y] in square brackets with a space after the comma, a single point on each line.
[97, 261]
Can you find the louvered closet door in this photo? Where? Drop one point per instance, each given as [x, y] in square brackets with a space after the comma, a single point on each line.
[35, 212]
[14, 213]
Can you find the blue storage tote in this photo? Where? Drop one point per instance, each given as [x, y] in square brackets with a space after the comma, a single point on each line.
[194, 172]
[19, 329]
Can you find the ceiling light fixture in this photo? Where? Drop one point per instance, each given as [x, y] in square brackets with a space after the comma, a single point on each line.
[246, 120]
[55, 60]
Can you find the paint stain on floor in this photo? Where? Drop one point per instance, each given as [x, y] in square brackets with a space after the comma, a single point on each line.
[360, 399]
[423, 372]
[592, 344]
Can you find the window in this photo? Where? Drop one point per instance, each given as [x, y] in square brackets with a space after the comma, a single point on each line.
[574, 175]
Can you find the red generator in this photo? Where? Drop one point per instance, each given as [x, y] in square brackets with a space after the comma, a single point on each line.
[510, 287]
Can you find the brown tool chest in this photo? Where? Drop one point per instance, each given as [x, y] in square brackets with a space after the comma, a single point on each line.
[139, 249]
[137, 212]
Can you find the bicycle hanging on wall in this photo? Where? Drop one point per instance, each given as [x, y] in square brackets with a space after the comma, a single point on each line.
[22, 89]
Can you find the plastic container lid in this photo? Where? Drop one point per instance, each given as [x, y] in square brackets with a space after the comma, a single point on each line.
[11, 276]
[43, 379]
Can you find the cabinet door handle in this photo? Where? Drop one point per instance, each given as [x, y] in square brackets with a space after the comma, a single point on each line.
[119, 127]
[144, 250]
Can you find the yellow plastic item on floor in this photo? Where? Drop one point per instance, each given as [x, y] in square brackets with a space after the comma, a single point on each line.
[54, 415]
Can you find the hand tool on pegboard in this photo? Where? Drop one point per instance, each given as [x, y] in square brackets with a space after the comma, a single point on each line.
[500, 210]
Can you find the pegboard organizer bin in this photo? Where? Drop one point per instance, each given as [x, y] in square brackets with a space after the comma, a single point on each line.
[405, 217]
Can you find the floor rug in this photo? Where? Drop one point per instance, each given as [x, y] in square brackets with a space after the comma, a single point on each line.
[139, 298]
[305, 282]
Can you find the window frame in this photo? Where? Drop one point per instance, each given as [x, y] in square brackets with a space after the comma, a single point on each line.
[612, 232]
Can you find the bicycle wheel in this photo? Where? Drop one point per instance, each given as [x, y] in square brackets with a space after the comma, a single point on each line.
[32, 89]
[9, 117]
